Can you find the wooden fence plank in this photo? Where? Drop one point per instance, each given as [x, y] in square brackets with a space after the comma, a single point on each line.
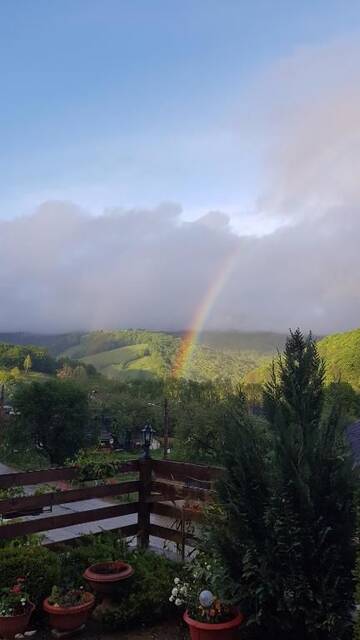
[26, 478]
[27, 503]
[166, 533]
[185, 470]
[178, 492]
[177, 513]
[128, 531]
[58, 522]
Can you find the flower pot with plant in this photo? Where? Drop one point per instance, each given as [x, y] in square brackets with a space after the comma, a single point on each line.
[68, 609]
[204, 593]
[105, 577]
[15, 610]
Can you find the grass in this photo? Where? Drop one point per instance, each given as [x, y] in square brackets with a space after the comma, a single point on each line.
[126, 363]
[120, 356]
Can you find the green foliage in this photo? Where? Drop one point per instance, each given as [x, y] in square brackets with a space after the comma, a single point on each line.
[250, 341]
[146, 597]
[98, 465]
[63, 597]
[39, 566]
[341, 353]
[356, 635]
[285, 522]
[205, 573]
[86, 551]
[26, 357]
[19, 452]
[13, 599]
[130, 354]
[53, 416]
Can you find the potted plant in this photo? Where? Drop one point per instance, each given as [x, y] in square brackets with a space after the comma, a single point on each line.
[209, 612]
[105, 577]
[15, 610]
[68, 609]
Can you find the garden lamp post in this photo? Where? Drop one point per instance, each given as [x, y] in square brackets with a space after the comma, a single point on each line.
[165, 423]
[147, 434]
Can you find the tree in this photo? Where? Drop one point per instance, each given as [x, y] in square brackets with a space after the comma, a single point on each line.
[27, 363]
[286, 517]
[53, 416]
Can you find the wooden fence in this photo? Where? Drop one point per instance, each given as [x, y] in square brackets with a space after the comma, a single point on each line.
[167, 490]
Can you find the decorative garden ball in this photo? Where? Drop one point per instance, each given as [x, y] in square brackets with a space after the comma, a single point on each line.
[206, 599]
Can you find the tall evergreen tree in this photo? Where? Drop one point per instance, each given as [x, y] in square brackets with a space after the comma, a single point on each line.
[287, 518]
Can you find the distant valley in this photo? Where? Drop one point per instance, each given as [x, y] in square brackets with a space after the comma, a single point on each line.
[132, 354]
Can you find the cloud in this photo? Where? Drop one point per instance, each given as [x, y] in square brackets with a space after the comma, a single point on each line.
[63, 269]
[308, 109]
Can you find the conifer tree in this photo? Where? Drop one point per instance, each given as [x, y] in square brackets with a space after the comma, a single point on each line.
[286, 518]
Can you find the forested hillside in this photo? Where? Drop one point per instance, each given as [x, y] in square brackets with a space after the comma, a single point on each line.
[129, 354]
[137, 354]
[341, 352]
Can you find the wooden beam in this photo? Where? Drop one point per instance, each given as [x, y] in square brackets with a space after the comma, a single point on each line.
[128, 531]
[177, 513]
[25, 478]
[166, 533]
[184, 470]
[166, 510]
[178, 492]
[68, 520]
[28, 503]
[145, 467]
[171, 534]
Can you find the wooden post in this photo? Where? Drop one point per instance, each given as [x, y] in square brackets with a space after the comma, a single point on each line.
[145, 468]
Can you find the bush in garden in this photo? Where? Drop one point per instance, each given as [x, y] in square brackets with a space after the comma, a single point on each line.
[147, 597]
[39, 566]
[143, 598]
[285, 520]
[88, 550]
[356, 635]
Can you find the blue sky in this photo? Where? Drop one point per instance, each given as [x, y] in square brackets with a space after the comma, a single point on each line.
[133, 102]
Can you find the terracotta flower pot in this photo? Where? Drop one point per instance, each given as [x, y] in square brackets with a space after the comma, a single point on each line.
[12, 625]
[217, 631]
[69, 618]
[104, 577]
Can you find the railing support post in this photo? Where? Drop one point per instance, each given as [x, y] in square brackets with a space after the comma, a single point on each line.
[145, 469]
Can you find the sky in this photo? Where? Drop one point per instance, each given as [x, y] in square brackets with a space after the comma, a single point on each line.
[142, 143]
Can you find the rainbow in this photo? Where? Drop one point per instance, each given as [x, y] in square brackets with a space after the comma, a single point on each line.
[189, 341]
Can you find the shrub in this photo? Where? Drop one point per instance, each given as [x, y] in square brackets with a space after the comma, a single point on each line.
[39, 566]
[147, 596]
[86, 551]
[357, 598]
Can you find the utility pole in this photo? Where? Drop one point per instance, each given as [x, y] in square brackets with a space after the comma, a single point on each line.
[166, 428]
[2, 400]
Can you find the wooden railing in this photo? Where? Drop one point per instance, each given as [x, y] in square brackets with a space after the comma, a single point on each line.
[163, 490]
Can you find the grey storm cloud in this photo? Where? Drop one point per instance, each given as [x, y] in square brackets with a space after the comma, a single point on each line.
[63, 269]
